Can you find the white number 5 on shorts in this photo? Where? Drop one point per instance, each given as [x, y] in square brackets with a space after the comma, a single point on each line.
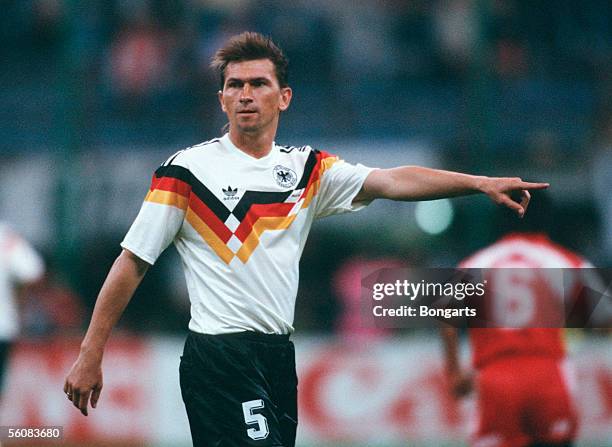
[262, 431]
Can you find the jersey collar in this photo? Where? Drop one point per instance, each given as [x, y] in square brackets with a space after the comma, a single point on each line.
[236, 152]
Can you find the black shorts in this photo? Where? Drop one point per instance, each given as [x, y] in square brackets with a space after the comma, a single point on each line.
[5, 349]
[240, 389]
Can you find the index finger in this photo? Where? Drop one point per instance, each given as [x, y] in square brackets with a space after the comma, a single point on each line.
[531, 185]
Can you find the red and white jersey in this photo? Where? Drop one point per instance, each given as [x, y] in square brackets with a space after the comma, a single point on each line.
[240, 225]
[19, 264]
[524, 287]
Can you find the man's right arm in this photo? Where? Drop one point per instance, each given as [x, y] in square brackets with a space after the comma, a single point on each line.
[85, 377]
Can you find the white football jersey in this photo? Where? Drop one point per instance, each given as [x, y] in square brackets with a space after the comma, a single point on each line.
[240, 225]
[19, 264]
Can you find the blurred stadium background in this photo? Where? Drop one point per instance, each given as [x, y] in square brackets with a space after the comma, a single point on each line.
[96, 94]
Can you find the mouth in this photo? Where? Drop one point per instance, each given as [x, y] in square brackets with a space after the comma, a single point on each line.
[247, 112]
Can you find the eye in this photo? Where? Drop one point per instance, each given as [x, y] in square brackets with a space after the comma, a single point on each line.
[258, 82]
[234, 84]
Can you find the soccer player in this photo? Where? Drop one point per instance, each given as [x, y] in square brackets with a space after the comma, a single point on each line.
[239, 209]
[20, 267]
[522, 376]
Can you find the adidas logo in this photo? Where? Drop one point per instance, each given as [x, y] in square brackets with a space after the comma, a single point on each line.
[230, 193]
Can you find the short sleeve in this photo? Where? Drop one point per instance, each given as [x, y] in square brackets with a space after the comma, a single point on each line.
[162, 213]
[340, 183]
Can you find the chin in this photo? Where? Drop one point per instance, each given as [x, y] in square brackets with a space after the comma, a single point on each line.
[247, 129]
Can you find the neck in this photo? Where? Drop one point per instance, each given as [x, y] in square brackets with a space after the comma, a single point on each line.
[256, 144]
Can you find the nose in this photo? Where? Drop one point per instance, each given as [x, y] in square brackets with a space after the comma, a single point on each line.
[246, 94]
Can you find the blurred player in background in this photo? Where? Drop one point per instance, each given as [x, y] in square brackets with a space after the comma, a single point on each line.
[523, 378]
[20, 267]
[239, 209]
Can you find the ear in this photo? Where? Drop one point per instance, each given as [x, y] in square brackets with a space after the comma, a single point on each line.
[286, 94]
[220, 96]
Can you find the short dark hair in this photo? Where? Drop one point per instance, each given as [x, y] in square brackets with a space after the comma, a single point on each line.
[250, 46]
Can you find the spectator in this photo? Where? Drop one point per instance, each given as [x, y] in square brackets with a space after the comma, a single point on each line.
[20, 267]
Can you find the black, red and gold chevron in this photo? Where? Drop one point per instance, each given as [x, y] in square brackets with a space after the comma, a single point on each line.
[257, 211]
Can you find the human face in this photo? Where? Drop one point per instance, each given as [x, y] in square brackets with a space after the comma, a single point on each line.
[251, 97]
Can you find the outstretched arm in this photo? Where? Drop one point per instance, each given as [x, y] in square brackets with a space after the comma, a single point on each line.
[410, 183]
[85, 376]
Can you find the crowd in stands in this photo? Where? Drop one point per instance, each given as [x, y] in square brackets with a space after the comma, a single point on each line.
[140, 70]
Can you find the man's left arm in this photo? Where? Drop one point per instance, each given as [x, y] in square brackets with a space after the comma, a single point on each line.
[413, 183]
